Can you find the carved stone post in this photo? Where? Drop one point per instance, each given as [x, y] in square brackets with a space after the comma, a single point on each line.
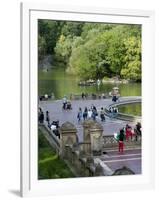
[68, 137]
[96, 136]
[93, 136]
[86, 136]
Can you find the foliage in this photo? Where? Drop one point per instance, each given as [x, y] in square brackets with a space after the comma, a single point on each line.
[132, 67]
[49, 31]
[50, 166]
[93, 50]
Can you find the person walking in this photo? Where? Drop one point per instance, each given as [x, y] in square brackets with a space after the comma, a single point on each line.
[110, 112]
[79, 115]
[121, 141]
[85, 113]
[137, 130]
[41, 117]
[94, 113]
[89, 114]
[114, 98]
[64, 102]
[128, 132]
[102, 114]
[48, 118]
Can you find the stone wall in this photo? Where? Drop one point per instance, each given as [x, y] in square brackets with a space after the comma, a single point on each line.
[84, 158]
[80, 156]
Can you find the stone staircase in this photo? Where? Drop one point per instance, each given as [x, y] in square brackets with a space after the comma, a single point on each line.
[130, 160]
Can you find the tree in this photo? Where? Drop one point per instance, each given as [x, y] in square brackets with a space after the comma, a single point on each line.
[41, 47]
[63, 49]
[50, 31]
[93, 50]
[72, 29]
[132, 67]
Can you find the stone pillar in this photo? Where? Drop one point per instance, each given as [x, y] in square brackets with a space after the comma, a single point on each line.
[96, 136]
[68, 137]
[93, 135]
[86, 136]
[86, 130]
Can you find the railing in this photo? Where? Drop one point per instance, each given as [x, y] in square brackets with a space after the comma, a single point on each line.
[110, 142]
[53, 139]
[123, 116]
[127, 101]
[89, 96]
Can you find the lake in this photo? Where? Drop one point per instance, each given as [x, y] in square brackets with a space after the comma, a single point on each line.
[60, 83]
[132, 109]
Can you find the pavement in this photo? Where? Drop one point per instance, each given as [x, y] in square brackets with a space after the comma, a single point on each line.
[131, 159]
[110, 126]
[112, 159]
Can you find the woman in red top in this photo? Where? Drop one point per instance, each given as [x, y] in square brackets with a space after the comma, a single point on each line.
[128, 132]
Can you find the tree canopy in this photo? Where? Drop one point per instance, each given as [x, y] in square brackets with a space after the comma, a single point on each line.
[93, 50]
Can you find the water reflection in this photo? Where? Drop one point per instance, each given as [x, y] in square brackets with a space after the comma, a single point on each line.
[57, 81]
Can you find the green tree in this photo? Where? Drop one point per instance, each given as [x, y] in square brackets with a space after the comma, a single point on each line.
[63, 49]
[72, 29]
[41, 47]
[50, 31]
[132, 58]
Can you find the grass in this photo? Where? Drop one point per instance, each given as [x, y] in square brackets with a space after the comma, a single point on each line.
[50, 166]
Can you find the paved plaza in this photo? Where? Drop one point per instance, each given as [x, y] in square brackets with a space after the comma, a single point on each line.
[110, 126]
[130, 158]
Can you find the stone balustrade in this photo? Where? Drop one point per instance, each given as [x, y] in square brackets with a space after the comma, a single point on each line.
[84, 158]
[110, 142]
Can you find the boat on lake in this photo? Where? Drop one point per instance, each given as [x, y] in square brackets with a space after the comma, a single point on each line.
[87, 83]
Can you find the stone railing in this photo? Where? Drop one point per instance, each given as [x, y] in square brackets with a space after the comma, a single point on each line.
[124, 116]
[84, 165]
[89, 96]
[110, 142]
[51, 137]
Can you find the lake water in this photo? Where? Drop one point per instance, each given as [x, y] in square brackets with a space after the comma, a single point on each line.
[132, 109]
[57, 81]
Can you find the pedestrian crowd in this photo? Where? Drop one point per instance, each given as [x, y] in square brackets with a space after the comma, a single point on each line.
[126, 134]
[113, 111]
[53, 126]
[90, 113]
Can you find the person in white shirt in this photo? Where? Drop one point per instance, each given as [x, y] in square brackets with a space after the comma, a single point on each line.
[89, 114]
